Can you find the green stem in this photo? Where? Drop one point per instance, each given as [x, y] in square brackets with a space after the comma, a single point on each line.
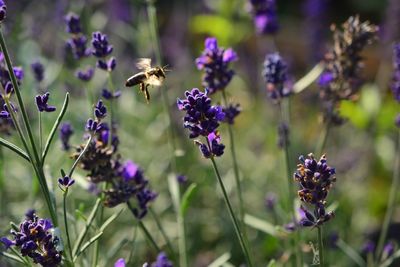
[71, 172]
[144, 229]
[163, 233]
[320, 247]
[112, 111]
[238, 231]
[66, 223]
[40, 133]
[391, 202]
[37, 164]
[323, 139]
[284, 114]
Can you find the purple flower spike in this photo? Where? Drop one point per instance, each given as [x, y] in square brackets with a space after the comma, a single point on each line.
[73, 23]
[107, 65]
[215, 62]
[93, 126]
[35, 239]
[101, 48]
[162, 261]
[65, 134]
[276, 77]
[41, 103]
[106, 94]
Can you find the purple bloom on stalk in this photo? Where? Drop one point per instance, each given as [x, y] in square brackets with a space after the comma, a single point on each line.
[100, 111]
[182, 179]
[231, 112]
[41, 103]
[78, 46]
[368, 247]
[131, 171]
[108, 65]
[388, 250]
[8, 88]
[65, 182]
[37, 70]
[73, 23]
[101, 48]
[162, 261]
[315, 180]
[201, 117]
[396, 74]
[120, 263]
[5, 113]
[65, 134]
[106, 94]
[85, 75]
[3, 11]
[275, 72]
[19, 73]
[215, 62]
[265, 16]
[93, 126]
[35, 239]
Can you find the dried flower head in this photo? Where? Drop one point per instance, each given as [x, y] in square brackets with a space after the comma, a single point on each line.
[36, 240]
[341, 78]
[215, 62]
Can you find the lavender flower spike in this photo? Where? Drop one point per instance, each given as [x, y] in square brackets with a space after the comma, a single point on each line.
[215, 62]
[65, 134]
[101, 48]
[41, 103]
[264, 16]
[3, 11]
[38, 71]
[276, 76]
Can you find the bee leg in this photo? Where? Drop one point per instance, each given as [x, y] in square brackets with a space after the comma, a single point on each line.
[146, 93]
[141, 87]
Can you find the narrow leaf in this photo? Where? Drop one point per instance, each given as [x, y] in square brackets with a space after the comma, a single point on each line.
[220, 260]
[87, 244]
[110, 220]
[174, 190]
[308, 79]
[88, 224]
[260, 224]
[271, 263]
[12, 257]
[351, 253]
[390, 260]
[187, 198]
[55, 127]
[14, 148]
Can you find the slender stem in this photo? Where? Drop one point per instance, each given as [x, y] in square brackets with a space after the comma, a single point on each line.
[284, 114]
[391, 202]
[40, 133]
[144, 229]
[320, 247]
[322, 139]
[163, 233]
[236, 225]
[183, 258]
[71, 172]
[235, 167]
[112, 111]
[38, 170]
[66, 223]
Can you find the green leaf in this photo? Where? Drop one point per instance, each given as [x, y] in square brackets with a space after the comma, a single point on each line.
[110, 220]
[54, 129]
[87, 244]
[14, 148]
[220, 260]
[174, 190]
[389, 261]
[354, 113]
[260, 224]
[12, 257]
[272, 263]
[187, 198]
[370, 100]
[308, 79]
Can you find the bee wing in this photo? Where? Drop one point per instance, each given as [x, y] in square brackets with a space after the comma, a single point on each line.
[155, 80]
[143, 63]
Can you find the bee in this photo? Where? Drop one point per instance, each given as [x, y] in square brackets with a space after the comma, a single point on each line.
[149, 76]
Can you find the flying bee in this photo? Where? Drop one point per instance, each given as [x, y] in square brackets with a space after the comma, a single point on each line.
[149, 76]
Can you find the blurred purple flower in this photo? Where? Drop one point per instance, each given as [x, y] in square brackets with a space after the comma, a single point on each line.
[231, 112]
[368, 247]
[182, 179]
[101, 47]
[73, 23]
[65, 134]
[275, 73]
[265, 16]
[37, 70]
[120, 263]
[85, 75]
[3, 11]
